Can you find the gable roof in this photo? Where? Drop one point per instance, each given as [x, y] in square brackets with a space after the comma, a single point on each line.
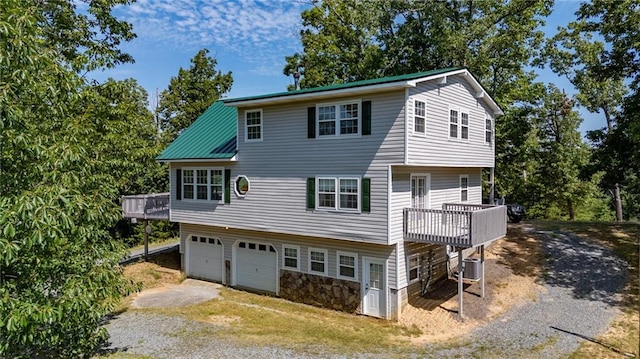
[366, 86]
[211, 137]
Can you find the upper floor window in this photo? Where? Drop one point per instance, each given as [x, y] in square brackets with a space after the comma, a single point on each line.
[202, 183]
[339, 119]
[338, 193]
[488, 131]
[253, 125]
[464, 188]
[458, 124]
[419, 118]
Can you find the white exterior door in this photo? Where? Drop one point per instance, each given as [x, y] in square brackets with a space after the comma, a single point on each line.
[420, 187]
[204, 258]
[256, 266]
[374, 299]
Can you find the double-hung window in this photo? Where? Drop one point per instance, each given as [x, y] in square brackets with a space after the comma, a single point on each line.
[347, 263]
[419, 117]
[202, 184]
[291, 256]
[318, 261]
[464, 188]
[338, 193]
[339, 119]
[458, 124]
[488, 131]
[253, 125]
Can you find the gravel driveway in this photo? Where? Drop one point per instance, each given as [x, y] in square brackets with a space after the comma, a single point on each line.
[579, 298]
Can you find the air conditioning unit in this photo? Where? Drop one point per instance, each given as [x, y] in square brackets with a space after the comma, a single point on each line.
[472, 267]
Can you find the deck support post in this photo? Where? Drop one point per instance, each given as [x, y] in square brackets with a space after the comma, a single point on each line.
[146, 240]
[492, 187]
[460, 286]
[482, 271]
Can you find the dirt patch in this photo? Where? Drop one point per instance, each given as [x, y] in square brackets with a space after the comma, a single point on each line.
[512, 266]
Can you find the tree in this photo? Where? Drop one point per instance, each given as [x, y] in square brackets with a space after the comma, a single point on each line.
[59, 272]
[191, 92]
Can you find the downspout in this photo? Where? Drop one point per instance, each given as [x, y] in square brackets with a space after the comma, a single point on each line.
[406, 126]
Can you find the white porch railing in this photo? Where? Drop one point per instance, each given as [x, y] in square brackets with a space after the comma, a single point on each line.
[459, 225]
[146, 206]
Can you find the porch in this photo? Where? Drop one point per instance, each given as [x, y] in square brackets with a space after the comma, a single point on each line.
[146, 206]
[457, 225]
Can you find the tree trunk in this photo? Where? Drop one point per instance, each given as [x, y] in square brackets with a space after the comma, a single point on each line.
[572, 214]
[618, 203]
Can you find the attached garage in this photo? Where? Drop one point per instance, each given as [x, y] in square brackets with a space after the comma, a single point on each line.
[256, 266]
[205, 258]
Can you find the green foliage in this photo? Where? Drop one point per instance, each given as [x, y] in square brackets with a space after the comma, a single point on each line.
[191, 93]
[59, 180]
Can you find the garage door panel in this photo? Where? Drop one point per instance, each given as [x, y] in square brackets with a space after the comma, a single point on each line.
[205, 259]
[256, 267]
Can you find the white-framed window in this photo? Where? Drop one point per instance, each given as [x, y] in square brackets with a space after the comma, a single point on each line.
[419, 117]
[464, 188]
[202, 184]
[413, 262]
[458, 124]
[338, 193]
[347, 265]
[253, 125]
[339, 119]
[488, 130]
[318, 261]
[291, 257]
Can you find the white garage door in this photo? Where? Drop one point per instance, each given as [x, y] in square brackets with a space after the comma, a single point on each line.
[205, 258]
[256, 266]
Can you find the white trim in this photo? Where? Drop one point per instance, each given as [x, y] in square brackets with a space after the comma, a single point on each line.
[459, 110]
[208, 160]
[358, 91]
[386, 292]
[284, 251]
[337, 120]
[417, 278]
[336, 192]
[235, 186]
[246, 127]
[467, 189]
[389, 202]
[355, 265]
[406, 127]
[424, 117]
[326, 261]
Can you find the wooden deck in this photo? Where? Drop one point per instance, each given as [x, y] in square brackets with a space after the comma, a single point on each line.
[146, 206]
[459, 225]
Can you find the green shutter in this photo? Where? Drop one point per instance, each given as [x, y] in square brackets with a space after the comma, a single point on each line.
[311, 122]
[366, 195]
[227, 186]
[178, 184]
[311, 193]
[366, 117]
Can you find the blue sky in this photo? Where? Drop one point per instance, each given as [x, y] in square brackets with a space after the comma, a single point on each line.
[248, 37]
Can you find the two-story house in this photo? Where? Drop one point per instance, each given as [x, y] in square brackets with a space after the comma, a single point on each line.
[339, 196]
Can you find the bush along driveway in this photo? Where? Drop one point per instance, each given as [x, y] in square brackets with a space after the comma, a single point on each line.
[579, 297]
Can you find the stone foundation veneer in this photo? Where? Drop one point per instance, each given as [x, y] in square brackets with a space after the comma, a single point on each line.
[325, 292]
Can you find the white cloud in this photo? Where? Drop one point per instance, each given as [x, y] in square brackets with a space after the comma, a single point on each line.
[257, 31]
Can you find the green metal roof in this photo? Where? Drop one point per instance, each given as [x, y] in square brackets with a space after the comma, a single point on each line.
[211, 136]
[353, 84]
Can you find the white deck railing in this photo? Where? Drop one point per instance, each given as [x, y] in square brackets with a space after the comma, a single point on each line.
[460, 225]
[146, 206]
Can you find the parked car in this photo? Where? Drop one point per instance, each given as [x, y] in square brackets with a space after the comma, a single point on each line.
[515, 212]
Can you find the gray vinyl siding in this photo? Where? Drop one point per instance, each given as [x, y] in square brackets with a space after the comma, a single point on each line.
[445, 188]
[436, 148]
[229, 237]
[279, 165]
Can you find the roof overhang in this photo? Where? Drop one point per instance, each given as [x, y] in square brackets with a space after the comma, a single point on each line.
[441, 78]
[208, 160]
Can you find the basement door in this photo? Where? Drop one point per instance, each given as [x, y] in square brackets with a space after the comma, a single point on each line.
[256, 266]
[374, 299]
[204, 258]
